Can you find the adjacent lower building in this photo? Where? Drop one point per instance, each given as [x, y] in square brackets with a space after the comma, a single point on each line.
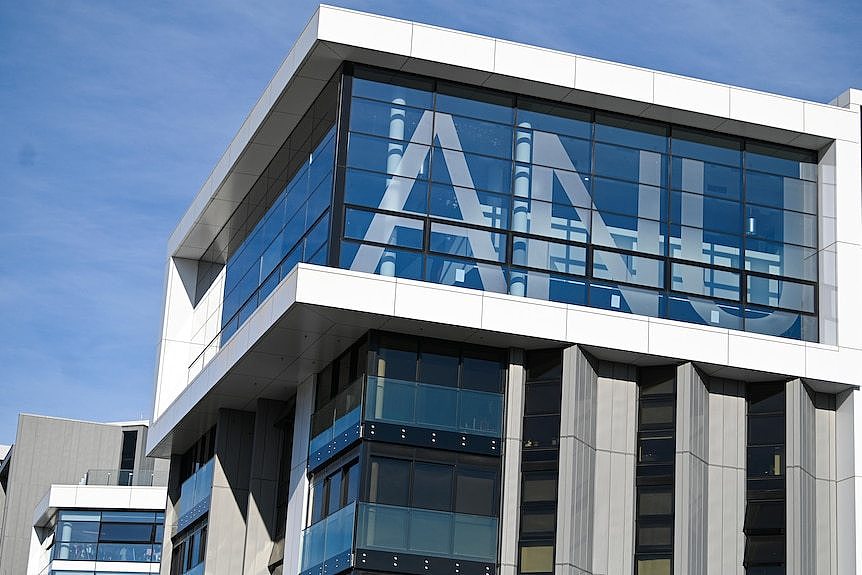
[80, 498]
[451, 304]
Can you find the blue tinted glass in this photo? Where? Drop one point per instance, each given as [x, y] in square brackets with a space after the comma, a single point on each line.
[631, 132]
[382, 261]
[268, 285]
[714, 248]
[781, 192]
[706, 147]
[627, 233]
[482, 104]
[704, 281]
[627, 299]
[481, 172]
[706, 212]
[781, 323]
[480, 137]
[781, 259]
[559, 152]
[369, 189]
[318, 201]
[296, 192]
[415, 93]
[467, 242]
[384, 119]
[631, 164]
[551, 256]
[460, 273]
[466, 205]
[704, 312]
[555, 119]
[628, 268]
[628, 198]
[780, 293]
[321, 164]
[548, 286]
[710, 179]
[550, 185]
[383, 228]
[782, 161]
[387, 156]
[289, 262]
[551, 220]
[316, 237]
[781, 226]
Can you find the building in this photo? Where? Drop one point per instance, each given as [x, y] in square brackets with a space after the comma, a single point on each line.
[451, 304]
[80, 498]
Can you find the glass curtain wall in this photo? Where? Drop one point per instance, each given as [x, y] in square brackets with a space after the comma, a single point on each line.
[125, 536]
[766, 494]
[654, 472]
[480, 189]
[540, 457]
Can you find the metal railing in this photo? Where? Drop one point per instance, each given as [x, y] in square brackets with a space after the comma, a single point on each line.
[125, 477]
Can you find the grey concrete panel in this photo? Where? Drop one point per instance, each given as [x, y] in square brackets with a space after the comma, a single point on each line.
[800, 484]
[298, 478]
[849, 485]
[512, 463]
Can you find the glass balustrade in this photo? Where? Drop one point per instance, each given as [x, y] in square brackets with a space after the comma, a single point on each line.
[426, 532]
[327, 545]
[336, 425]
[194, 495]
[432, 406]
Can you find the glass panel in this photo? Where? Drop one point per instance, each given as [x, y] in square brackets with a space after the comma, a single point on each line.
[554, 118]
[475, 491]
[656, 414]
[705, 281]
[470, 206]
[370, 189]
[780, 293]
[125, 552]
[389, 120]
[551, 220]
[781, 259]
[339, 532]
[653, 567]
[122, 532]
[705, 212]
[765, 462]
[713, 248]
[544, 364]
[467, 242]
[704, 178]
[655, 535]
[627, 299]
[627, 233]
[75, 530]
[764, 549]
[537, 559]
[764, 515]
[475, 102]
[390, 400]
[383, 228]
[541, 431]
[383, 527]
[432, 486]
[313, 545]
[781, 226]
[542, 398]
[781, 324]
[387, 261]
[707, 147]
[334, 493]
[656, 449]
[704, 312]
[487, 138]
[475, 538]
[631, 132]
[389, 481]
[389, 87]
[780, 160]
[430, 532]
[538, 486]
[766, 398]
[460, 273]
[439, 364]
[397, 358]
[553, 287]
[480, 412]
[75, 551]
[437, 407]
[470, 171]
[533, 522]
[631, 164]
[628, 198]
[655, 503]
[554, 151]
[387, 156]
[128, 516]
[553, 256]
[628, 268]
[781, 192]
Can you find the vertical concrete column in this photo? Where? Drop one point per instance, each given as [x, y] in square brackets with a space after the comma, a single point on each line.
[690, 481]
[826, 485]
[170, 514]
[848, 468]
[263, 486]
[511, 512]
[298, 477]
[576, 500]
[229, 500]
[726, 461]
[614, 479]
[800, 449]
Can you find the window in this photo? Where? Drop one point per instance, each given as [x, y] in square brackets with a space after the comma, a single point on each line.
[127, 536]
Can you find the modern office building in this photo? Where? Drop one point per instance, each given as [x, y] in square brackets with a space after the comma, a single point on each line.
[80, 498]
[451, 304]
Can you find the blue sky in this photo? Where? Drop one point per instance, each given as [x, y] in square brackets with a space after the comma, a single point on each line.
[112, 114]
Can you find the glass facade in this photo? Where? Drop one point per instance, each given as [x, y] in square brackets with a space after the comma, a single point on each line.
[478, 189]
[128, 536]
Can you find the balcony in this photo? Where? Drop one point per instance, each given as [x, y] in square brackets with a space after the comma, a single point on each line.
[195, 495]
[125, 478]
[328, 544]
[335, 426]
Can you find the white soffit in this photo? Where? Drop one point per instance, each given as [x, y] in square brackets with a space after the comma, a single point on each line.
[334, 35]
